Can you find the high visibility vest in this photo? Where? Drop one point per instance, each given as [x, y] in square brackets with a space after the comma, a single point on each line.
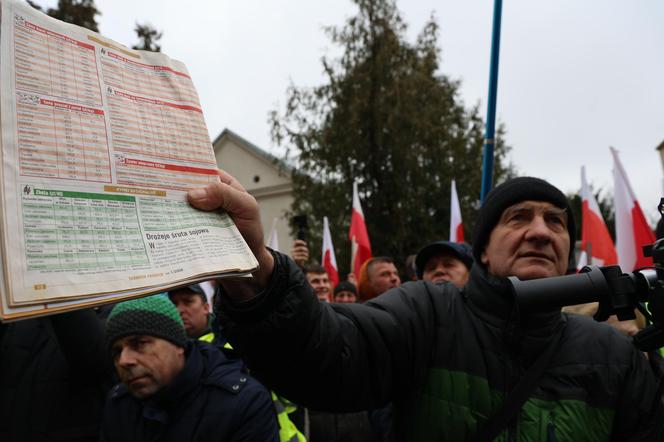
[208, 337]
[288, 432]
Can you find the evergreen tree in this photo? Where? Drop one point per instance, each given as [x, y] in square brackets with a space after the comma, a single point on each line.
[78, 12]
[84, 12]
[387, 117]
[148, 38]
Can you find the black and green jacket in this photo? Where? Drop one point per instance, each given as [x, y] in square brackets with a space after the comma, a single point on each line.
[446, 358]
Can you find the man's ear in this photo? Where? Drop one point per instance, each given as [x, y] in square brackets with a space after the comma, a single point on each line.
[484, 258]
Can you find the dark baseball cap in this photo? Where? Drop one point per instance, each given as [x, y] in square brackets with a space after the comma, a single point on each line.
[462, 251]
[196, 288]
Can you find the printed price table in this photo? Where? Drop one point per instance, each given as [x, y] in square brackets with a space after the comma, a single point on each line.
[158, 129]
[53, 64]
[78, 231]
[61, 140]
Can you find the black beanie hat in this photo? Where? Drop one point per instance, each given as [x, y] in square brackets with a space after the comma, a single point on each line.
[509, 193]
[152, 316]
[345, 286]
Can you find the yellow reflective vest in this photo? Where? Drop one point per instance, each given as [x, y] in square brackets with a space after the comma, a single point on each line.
[288, 432]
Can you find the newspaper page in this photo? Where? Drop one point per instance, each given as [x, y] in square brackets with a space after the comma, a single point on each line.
[99, 145]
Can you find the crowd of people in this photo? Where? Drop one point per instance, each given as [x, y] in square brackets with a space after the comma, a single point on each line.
[445, 355]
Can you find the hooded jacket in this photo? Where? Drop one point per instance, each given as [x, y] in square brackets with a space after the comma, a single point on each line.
[211, 399]
[447, 358]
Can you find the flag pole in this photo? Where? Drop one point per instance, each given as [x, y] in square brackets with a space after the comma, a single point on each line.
[489, 136]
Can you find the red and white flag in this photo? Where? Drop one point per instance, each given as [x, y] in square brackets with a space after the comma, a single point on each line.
[583, 261]
[456, 225]
[273, 241]
[594, 234]
[632, 229]
[328, 259]
[359, 238]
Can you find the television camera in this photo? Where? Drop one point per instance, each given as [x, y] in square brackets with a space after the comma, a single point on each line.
[618, 293]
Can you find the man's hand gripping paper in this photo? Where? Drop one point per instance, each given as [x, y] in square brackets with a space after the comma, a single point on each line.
[230, 196]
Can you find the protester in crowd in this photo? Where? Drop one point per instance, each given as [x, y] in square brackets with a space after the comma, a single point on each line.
[345, 292]
[377, 275]
[448, 359]
[175, 389]
[300, 252]
[444, 261]
[320, 281]
[54, 375]
[410, 272]
[192, 302]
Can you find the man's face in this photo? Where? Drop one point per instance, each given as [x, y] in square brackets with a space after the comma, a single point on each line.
[530, 241]
[345, 296]
[445, 267]
[321, 284]
[146, 364]
[193, 311]
[383, 276]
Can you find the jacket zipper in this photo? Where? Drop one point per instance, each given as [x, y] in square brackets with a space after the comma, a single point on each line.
[512, 430]
[551, 427]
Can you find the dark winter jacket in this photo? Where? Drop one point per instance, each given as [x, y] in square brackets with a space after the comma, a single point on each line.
[211, 399]
[54, 376]
[341, 427]
[446, 358]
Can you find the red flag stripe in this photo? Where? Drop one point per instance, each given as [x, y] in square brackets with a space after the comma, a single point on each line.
[643, 235]
[358, 235]
[595, 233]
[459, 233]
[331, 270]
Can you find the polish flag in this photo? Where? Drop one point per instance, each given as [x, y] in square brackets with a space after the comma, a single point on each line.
[583, 261]
[456, 225]
[632, 229]
[329, 260]
[359, 238]
[594, 234]
[273, 242]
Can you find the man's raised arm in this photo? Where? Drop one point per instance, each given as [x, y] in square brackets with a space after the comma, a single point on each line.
[328, 357]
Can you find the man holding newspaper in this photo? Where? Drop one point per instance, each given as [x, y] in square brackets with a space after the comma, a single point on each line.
[446, 358]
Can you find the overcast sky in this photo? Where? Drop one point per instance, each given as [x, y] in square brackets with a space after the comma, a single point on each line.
[575, 76]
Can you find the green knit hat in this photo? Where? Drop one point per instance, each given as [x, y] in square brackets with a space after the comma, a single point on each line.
[152, 316]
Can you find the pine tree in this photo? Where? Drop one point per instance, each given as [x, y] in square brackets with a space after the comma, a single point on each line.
[148, 38]
[387, 117]
[78, 12]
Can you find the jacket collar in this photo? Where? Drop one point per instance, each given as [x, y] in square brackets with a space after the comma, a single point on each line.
[184, 384]
[490, 298]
